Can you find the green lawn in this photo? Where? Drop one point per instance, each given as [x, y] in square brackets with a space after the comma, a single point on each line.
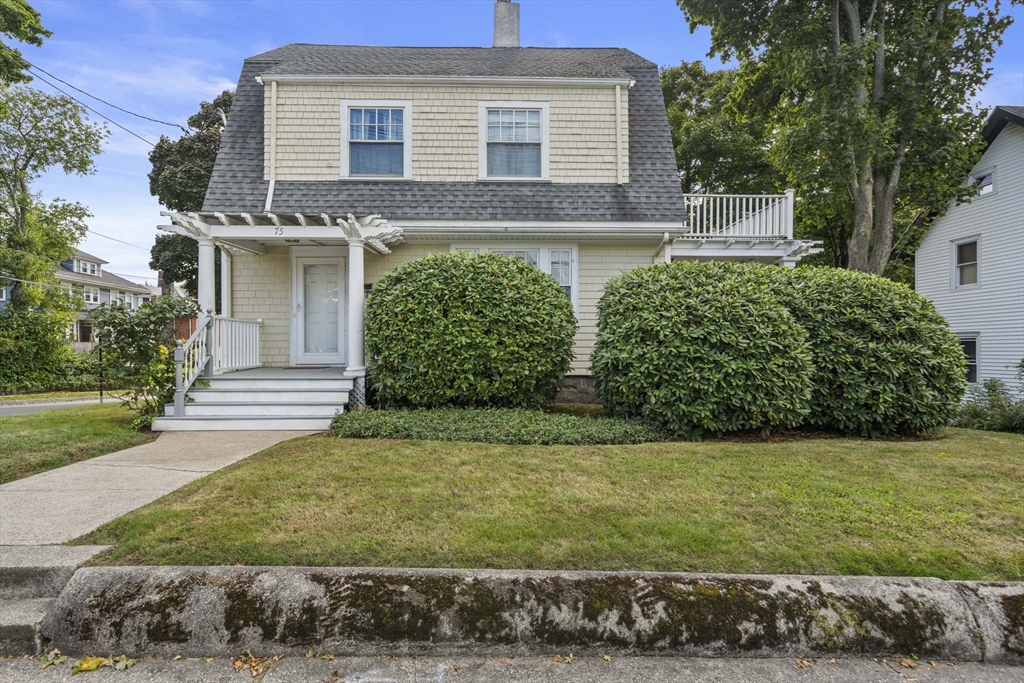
[42, 441]
[950, 507]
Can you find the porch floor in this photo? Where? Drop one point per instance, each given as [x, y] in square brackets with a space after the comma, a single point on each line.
[287, 373]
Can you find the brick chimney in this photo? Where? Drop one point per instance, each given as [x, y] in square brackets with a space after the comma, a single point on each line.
[506, 24]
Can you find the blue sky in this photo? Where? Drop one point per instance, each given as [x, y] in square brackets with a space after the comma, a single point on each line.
[161, 58]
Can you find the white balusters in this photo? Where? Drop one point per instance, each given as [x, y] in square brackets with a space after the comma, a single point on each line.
[740, 215]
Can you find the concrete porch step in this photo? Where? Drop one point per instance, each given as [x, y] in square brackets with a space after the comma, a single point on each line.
[259, 410]
[244, 383]
[262, 396]
[20, 622]
[240, 424]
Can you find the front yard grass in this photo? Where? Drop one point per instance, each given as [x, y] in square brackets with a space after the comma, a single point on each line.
[950, 507]
[37, 442]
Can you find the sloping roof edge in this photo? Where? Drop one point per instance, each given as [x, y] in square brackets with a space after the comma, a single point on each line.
[997, 120]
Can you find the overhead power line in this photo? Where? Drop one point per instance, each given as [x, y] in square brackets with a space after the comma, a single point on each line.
[109, 104]
[100, 114]
[100, 235]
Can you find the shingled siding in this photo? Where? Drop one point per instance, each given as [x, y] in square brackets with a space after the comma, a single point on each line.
[444, 129]
[261, 287]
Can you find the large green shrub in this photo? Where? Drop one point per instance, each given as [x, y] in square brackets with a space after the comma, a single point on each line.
[884, 360]
[492, 425]
[465, 329]
[699, 349]
[34, 349]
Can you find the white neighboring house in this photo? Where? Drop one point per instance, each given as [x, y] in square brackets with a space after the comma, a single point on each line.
[971, 262]
[84, 274]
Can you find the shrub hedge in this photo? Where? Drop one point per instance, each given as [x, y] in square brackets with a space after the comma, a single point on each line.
[465, 329]
[884, 361]
[700, 349]
[715, 347]
[993, 406]
[491, 425]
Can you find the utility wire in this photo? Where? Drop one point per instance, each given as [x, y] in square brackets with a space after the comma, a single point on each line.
[126, 111]
[30, 282]
[99, 235]
[100, 114]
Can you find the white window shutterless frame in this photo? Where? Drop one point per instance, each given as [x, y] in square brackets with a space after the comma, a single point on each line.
[503, 132]
[319, 311]
[560, 261]
[366, 133]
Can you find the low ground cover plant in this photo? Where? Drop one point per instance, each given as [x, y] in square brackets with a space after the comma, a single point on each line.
[492, 425]
[993, 406]
[467, 329]
[709, 348]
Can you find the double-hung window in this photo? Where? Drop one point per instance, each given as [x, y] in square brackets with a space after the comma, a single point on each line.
[376, 139]
[513, 141]
[970, 346]
[983, 183]
[91, 295]
[965, 263]
[558, 261]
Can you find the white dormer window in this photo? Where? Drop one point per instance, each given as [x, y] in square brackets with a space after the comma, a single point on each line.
[376, 139]
[513, 141]
[86, 267]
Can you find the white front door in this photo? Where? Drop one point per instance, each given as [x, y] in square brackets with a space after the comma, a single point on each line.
[318, 332]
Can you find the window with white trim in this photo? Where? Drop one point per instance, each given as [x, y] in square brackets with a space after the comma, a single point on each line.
[86, 267]
[983, 183]
[970, 346]
[85, 331]
[965, 263]
[3, 294]
[91, 295]
[376, 139]
[557, 260]
[513, 140]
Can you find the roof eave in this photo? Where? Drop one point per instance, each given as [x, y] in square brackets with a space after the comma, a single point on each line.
[333, 79]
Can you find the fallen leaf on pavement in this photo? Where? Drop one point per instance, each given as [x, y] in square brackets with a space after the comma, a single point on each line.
[606, 658]
[457, 666]
[804, 663]
[176, 658]
[906, 663]
[123, 663]
[89, 664]
[503, 661]
[832, 661]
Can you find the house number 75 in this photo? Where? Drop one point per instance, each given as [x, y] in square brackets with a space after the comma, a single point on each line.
[278, 231]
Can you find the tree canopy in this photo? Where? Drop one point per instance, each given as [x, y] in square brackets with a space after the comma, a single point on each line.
[40, 132]
[22, 23]
[180, 175]
[868, 103]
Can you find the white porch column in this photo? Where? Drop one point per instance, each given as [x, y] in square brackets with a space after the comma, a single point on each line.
[207, 276]
[225, 283]
[356, 300]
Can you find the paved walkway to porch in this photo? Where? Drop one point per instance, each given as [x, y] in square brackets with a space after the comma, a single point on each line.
[68, 502]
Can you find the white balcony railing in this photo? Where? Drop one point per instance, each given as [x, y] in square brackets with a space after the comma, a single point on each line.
[740, 215]
[236, 344]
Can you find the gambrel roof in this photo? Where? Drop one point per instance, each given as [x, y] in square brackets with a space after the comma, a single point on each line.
[652, 194]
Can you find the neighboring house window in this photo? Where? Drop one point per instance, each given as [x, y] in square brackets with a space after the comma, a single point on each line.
[84, 331]
[86, 267]
[91, 295]
[145, 300]
[557, 260]
[970, 345]
[3, 294]
[965, 263]
[983, 182]
[513, 140]
[377, 139]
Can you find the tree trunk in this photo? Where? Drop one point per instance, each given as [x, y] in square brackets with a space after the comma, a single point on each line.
[860, 238]
[885, 203]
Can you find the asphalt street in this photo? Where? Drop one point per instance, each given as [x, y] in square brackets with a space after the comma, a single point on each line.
[25, 408]
[516, 669]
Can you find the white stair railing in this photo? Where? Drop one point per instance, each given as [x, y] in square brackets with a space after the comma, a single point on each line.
[740, 215]
[191, 359]
[236, 344]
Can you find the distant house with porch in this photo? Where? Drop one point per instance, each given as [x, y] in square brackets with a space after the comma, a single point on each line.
[338, 163]
[85, 276]
[971, 262]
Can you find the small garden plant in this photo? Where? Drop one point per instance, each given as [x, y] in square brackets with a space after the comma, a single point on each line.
[471, 330]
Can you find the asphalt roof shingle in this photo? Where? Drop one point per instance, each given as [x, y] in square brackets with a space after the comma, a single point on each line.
[653, 193]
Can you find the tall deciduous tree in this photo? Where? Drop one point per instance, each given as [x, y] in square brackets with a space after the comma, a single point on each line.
[39, 132]
[180, 175]
[717, 150]
[22, 23]
[873, 96]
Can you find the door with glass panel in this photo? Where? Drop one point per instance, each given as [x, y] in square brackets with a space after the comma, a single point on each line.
[320, 311]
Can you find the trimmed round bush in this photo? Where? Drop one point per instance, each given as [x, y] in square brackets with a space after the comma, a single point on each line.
[884, 360]
[470, 330]
[700, 349]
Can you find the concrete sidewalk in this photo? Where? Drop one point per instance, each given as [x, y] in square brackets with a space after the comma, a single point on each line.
[522, 669]
[63, 504]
